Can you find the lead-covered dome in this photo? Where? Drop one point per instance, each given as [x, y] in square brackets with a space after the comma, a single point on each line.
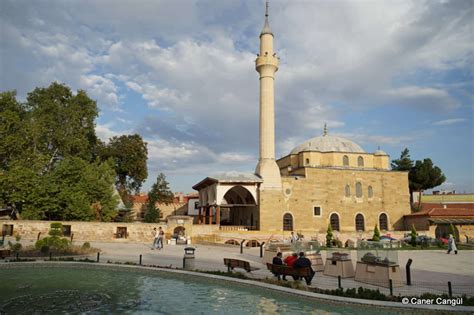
[327, 143]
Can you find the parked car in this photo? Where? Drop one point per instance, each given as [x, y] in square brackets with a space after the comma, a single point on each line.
[443, 240]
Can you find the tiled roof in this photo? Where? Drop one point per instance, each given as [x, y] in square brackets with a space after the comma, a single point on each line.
[444, 212]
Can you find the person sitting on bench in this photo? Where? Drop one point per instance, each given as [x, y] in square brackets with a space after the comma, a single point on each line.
[302, 262]
[277, 261]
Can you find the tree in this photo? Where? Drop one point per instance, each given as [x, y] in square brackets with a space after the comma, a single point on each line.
[424, 175]
[130, 154]
[159, 193]
[376, 236]
[413, 235]
[329, 236]
[404, 163]
[452, 231]
[48, 157]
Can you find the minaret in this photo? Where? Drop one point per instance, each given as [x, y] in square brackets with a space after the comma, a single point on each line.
[266, 65]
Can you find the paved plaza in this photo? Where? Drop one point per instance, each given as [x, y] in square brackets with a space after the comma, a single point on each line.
[431, 269]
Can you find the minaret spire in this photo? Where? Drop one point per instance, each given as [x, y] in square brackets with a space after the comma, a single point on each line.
[266, 65]
[325, 130]
[266, 27]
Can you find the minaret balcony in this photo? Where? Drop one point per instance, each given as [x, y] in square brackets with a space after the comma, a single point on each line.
[267, 61]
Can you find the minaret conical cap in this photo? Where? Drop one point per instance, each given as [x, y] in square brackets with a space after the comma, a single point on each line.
[266, 26]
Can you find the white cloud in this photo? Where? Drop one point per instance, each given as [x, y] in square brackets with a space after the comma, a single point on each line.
[448, 122]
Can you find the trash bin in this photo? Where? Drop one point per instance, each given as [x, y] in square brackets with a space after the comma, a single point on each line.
[188, 259]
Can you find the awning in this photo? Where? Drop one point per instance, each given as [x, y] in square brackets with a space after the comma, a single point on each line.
[451, 221]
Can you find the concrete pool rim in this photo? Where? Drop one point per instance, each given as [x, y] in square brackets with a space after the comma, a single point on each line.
[332, 299]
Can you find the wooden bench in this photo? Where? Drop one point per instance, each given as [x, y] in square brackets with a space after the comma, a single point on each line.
[282, 270]
[237, 263]
[4, 253]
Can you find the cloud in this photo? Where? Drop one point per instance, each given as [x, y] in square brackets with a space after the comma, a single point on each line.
[189, 87]
[447, 122]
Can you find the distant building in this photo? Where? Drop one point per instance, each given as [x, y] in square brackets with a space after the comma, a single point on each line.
[437, 215]
[180, 206]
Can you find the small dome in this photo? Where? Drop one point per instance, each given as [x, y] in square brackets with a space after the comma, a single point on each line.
[327, 143]
[380, 152]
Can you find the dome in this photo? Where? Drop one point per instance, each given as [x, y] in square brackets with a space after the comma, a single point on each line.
[327, 143]
[380, 152]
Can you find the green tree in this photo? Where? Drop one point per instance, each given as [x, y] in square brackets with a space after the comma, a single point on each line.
[61, 124]
[424, 175]
[404, 163]
[159, 193]
[413, 235]
[329, 236]
[376, 236]
[48, 157]
[452, 231]
[13, 130]
[130, 155]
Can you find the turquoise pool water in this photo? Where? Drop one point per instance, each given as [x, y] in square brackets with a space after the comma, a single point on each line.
[91, 289]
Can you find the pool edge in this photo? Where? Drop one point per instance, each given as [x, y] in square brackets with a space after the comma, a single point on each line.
[318, 296]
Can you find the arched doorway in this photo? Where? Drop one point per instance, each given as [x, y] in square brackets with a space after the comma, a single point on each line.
[359, 222]
[239, 208]
[287, 222]
[334, 221]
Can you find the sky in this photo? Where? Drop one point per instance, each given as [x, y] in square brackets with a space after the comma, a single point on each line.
[181, 73]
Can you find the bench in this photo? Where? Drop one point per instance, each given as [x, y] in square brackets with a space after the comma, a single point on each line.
[237, 263]
[282, 270]
[4, 253]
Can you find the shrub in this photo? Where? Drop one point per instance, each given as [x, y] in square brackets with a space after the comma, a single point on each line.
[376, 236]
[86, 245]
[15, 248]
[329, 236]
[17, 237]
[44, 249]
[56, 229]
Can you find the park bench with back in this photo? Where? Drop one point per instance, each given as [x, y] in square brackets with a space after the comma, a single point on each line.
[282, 270]
[232, 263]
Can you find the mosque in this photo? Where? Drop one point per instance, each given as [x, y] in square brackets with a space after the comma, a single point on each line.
[325, 180]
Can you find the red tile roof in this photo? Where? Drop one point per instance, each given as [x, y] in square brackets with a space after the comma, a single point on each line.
[445, 212]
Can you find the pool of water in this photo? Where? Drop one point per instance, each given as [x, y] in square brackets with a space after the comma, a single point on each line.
[63, 288]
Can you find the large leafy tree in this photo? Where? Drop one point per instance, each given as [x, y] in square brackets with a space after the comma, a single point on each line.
[48, 157]
[159, 193]
[129, 153]
[425, 175]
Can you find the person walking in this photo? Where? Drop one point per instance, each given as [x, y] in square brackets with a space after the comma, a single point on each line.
[452, 245]
[294, 238]
[161, 235]
[156, 235]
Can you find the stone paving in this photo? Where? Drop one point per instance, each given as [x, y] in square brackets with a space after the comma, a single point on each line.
[431, 269]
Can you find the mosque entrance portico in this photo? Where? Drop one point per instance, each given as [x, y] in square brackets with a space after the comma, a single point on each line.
[229, 200]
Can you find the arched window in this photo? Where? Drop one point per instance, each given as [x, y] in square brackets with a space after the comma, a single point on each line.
[345, 160]
[383, 222]
[359, 221]
[360, 161]
[348, 191]
[370, 192]
[358, 190]
[334, 220]
[307, 162]
[287, 222]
